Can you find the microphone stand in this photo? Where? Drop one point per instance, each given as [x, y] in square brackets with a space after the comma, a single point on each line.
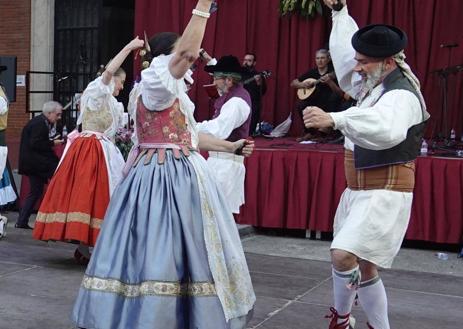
[259, 109]
[444, 75]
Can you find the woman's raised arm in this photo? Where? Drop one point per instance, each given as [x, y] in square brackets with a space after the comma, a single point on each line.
[187, 50]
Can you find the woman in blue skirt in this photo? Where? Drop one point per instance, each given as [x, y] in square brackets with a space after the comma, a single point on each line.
[169, 254]
[7, 192]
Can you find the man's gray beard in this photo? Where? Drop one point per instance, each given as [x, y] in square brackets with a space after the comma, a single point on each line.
[371, 81]
[222, 91]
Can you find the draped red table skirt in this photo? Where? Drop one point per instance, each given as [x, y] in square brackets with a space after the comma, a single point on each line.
[289, 185]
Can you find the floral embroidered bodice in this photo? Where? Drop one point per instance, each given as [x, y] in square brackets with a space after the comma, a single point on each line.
[167, 126]
[98, 121]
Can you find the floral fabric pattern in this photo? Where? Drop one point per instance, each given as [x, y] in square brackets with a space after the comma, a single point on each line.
[167, 126]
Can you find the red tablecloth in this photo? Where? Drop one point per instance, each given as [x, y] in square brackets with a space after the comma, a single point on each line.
[437, 211]
[25, 186]
[289, 185]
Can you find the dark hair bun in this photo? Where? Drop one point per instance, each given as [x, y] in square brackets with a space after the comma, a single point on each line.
[163, 43]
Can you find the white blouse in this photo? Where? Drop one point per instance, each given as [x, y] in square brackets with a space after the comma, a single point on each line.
[233, 114]
[95, 97]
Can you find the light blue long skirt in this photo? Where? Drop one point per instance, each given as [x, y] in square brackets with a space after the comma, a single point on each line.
[149, 268]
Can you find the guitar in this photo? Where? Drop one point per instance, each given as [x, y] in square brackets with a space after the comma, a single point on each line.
[304, 93]
[264, 74]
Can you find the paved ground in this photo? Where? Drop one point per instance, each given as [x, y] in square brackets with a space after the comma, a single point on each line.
[39, 281]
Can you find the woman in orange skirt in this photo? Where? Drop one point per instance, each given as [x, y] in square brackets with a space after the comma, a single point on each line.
[75, 203]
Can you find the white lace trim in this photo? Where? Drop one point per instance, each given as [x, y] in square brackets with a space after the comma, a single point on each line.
[225, 253]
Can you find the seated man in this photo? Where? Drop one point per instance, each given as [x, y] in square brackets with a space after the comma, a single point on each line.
[326, 94]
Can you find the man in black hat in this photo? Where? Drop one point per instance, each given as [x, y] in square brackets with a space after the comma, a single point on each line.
[383, 135]
[231, 121]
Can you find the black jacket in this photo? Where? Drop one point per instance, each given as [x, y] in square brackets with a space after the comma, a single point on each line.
[36, 155]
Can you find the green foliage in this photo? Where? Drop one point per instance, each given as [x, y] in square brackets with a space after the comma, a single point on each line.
[123, 141]
[305, 8]
[125, 148]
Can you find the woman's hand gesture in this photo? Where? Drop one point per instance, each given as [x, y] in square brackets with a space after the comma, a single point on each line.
[135, 44]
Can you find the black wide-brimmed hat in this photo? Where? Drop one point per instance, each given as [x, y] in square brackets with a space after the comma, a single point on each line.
[226, 65]
[379, 40]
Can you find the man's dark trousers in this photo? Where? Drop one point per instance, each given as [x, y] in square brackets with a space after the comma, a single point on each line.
[36, 189]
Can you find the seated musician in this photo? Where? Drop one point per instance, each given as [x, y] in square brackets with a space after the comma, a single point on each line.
[326, 93]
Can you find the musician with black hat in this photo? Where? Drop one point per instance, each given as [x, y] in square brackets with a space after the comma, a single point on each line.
[383, 135]
[231, 121]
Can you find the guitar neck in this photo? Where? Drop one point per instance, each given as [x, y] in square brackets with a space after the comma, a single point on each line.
[263, 74]
[245, 82]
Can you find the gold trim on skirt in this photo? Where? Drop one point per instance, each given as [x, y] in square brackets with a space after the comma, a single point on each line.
[149, 288]
[77, 217]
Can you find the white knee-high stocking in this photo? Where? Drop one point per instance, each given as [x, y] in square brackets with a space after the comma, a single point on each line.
[344, 289]
[372, 297]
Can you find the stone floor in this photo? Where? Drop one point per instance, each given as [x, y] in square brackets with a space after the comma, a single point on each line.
[39, 281]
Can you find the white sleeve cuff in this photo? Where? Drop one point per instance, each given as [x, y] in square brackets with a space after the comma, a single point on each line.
[339, 120]
[213, 61]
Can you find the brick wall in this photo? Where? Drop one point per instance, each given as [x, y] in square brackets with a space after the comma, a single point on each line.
[15, 27]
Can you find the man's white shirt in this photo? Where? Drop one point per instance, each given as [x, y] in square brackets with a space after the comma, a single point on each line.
[233, 114]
